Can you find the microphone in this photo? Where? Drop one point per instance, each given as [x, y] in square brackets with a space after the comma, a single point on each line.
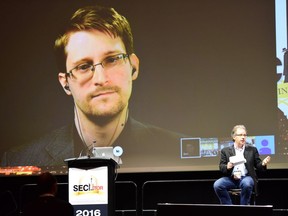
[79, 128]
[91, 152]
[87, 155]
[94, 151]
[88, 152]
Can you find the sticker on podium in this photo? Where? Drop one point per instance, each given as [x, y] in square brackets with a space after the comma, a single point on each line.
[88, 190]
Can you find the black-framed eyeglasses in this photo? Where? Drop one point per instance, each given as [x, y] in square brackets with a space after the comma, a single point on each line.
[85, 71]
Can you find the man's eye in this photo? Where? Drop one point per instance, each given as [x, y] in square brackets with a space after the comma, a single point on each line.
[112, 59]
[83, 67]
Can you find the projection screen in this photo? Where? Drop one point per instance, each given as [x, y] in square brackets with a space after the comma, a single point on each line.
[205, 66]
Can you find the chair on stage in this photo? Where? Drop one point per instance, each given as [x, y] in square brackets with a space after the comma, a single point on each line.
[235, 195]
[126, 198]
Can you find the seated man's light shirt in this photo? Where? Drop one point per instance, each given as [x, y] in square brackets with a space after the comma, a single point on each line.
[240, 167]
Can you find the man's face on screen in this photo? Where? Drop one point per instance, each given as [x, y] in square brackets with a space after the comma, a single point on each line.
[101, 73]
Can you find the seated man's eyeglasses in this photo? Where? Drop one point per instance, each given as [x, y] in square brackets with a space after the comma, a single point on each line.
[85, 71]
[245, 135]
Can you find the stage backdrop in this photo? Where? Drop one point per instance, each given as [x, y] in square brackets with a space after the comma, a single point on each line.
[205, 66]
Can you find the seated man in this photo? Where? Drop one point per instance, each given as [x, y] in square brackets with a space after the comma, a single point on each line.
[239, 173]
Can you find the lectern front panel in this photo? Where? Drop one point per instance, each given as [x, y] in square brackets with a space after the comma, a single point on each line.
[91, 187]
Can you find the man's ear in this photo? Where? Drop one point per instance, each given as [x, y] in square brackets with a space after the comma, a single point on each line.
[135, 66]
[64, 83]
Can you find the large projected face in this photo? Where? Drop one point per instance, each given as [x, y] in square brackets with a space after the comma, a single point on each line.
[205, 67]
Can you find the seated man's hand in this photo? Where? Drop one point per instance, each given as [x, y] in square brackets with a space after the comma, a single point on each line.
[266, 161]
[230, 165]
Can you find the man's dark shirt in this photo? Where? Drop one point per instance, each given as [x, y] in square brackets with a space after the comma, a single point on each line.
[143, 143]
[47, 206]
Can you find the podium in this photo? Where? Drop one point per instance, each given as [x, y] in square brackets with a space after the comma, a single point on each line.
[91, 186]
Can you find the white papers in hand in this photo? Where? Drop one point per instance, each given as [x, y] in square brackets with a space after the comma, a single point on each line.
[236, 160]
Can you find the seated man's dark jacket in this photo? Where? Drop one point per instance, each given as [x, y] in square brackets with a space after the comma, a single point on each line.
[253, 162]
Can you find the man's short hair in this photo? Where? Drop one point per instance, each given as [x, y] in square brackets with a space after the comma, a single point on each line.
[103, 19]
[46, 182]
[235, 128]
